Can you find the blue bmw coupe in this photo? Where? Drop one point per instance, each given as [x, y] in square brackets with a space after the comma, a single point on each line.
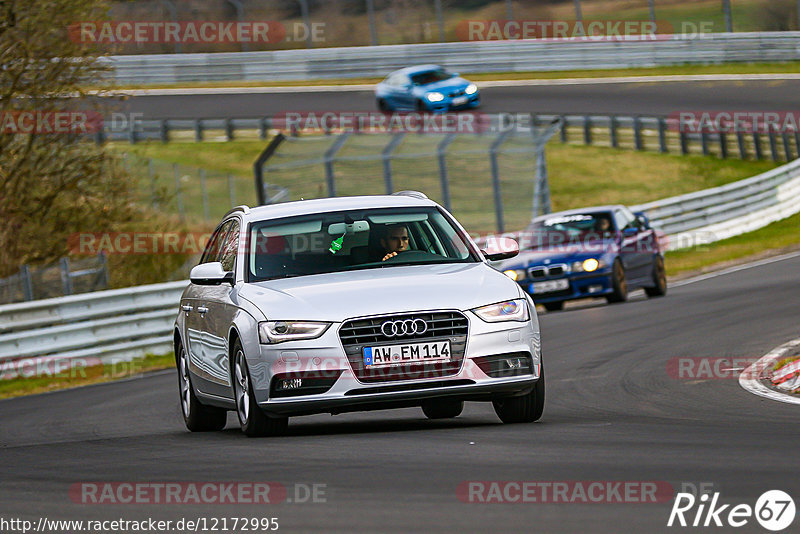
[594, 252]
[426, 88]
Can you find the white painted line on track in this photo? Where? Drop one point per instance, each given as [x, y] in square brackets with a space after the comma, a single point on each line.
[187, 91]
[755, 387]
[735, 269]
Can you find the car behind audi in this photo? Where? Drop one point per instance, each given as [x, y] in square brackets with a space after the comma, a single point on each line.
[296, 309]
[426, 88]
[602, 251]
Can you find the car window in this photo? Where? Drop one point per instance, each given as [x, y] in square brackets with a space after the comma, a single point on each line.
[563, 229]
[229, 247]
[211, 253]
[351, 240]
[431, 76]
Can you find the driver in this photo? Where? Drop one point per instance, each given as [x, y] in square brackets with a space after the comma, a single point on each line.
[394, 240]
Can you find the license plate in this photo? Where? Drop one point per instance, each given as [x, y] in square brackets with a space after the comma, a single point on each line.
[388, 355]
[549, 286]
[457, 101]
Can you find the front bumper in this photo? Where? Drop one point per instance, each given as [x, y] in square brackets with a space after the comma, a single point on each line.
[448, 104]
[581, 285]
[325, 355]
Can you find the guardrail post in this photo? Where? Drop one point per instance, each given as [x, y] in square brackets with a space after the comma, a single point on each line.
[198, 130]
[757, 145]
[229, 129]
[25, 281]
[178, 194]
[387, 160]
[442, 157]
[66, 281]
[704, 142]
[723, 145]
[773, 145]
[330, 179]
[258, 170]
[797, 136]
[612, 131]
[104, 269]
[684, 143]
[563, 128]
[498, 197]
[787, 147]
[662, 135]
[164, 130]
[204, 190]
[637, 133]
[263, 127]
[587, 130]
[132, 137]
[740, 142]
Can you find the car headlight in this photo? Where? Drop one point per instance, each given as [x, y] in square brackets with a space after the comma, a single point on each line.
[588, 265]
[515, 274]
[435, 97]
[471, 89]
[279, 331]
[510, 310]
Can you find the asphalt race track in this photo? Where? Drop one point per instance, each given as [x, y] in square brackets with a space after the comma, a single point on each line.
[613, 413]
[629, 98]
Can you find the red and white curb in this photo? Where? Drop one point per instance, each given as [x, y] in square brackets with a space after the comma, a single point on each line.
[749, 378]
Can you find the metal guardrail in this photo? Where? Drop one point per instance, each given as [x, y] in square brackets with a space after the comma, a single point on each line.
[465, 57]
[120, 324]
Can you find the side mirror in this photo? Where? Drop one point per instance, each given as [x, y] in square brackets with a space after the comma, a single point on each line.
[210, 274]
[500, 248]
[630, 232]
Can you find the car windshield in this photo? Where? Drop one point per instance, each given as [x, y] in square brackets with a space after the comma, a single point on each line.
[575, 228]
[431, 76]
[349, 240]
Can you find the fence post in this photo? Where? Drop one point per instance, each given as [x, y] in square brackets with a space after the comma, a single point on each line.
[704, 142]
[178, 195]
[27, 284]
[66, 281]
[151, 173]
[662, 135]
[198, 130]
[258, 169]
[723, 145]
[373, 34]
[205, 193]
[330, 179]
[229, 129]
[740, 142]
[104, 269]
[442, 157]
[263, 127]
[797, 136]
[773, 145]
[637, 133]
[684, 142]
[563, 119]
[164, 129]
[541, 187]
[757, 145]
[612, 131]
[787, 147]
[132, 132]
[387, 160]
[498, 197]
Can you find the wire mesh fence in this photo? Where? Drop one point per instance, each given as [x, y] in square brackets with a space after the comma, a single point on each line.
[67, 277]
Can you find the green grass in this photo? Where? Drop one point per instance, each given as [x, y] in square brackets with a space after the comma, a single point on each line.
[82, 376]
[782, 235]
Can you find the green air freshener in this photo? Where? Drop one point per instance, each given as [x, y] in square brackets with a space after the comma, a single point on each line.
[336, 245]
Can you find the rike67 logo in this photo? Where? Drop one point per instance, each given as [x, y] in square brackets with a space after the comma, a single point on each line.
[774, 510]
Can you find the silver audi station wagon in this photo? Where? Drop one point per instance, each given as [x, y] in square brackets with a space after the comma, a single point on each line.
[348, 304]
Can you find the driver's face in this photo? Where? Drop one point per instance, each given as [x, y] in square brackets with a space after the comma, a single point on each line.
[396, 241]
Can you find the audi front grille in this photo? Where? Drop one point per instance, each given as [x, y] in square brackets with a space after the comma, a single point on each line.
[355, 334]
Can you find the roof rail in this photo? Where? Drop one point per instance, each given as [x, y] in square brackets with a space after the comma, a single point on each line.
[243, 208]
[409, 193]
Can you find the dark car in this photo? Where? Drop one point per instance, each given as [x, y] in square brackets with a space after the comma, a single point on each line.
[603, 251]
[426, 88]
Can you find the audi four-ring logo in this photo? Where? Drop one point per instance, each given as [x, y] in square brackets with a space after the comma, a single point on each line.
[404, 327]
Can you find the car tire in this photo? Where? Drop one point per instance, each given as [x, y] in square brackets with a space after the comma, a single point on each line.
[554, 306]
[197, 416]
[384, 106]
[659, 279]
[253, 420]
[619, 284]
[525, 408]
[442, 409]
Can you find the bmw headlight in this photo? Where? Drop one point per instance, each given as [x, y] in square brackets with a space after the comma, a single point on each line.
[279, 331]
[435, 97]
[515, 274]
[510, 310]
[471, 89]
[588, 265]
